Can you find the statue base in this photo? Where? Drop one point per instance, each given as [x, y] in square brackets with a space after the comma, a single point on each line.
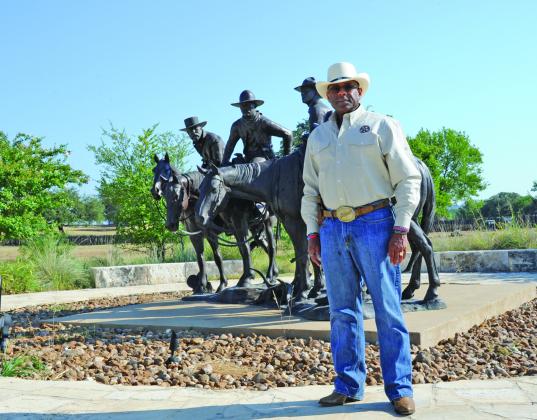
[317, 309]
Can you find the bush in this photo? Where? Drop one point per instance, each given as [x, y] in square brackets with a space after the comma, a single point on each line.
[54, 267]
[22, 367]
[18, 277]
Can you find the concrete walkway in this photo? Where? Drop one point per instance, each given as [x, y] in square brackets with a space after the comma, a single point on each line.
[20, 399]
[468, 400]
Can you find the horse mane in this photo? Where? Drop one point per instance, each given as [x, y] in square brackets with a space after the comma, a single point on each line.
[195, 178]
[244, 173]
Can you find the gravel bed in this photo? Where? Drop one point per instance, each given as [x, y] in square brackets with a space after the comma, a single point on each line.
[503, 346]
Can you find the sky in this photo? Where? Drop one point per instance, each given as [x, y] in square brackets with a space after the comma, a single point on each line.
[68, 69]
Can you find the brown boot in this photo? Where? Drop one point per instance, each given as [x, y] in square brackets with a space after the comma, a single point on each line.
[335, 398]
[404, 406]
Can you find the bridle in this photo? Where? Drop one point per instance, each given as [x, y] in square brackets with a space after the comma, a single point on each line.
[180, 198]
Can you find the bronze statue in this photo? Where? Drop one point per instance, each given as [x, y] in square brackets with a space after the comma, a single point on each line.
[317, 110]
[256, 132]
[210, 146]
[276, 182]
[180, 190]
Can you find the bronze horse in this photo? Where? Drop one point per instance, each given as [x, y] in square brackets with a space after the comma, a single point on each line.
[275, 182]
[279, 183]
[180, 192]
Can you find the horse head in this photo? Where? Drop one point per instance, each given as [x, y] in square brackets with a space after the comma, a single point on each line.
[162, 173]
[176, 193]
[214, 195]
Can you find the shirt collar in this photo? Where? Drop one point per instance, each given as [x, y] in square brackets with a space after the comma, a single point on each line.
[352, 116]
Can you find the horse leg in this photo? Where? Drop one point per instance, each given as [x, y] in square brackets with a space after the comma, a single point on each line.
[416, 246]
[213, 242]
[240, 228]
[272, 270]
[412, 259]
[202, 285]
[268, 245]
[297, 232]
[271, 222]
[432, 272]
[424, 247]
[318, 281]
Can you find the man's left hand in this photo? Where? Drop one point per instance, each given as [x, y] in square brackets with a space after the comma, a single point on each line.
[397, 248]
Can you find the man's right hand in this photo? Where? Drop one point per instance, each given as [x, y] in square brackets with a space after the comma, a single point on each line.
[314, 250]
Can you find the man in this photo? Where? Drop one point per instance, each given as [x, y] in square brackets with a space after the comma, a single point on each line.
[355, 163]
[256, 131]
[210, 146]
[317, 110]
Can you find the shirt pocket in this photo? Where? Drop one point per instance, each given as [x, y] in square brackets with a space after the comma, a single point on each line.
[362, 139]
[323, 155]
[363, 149]
[321, 145]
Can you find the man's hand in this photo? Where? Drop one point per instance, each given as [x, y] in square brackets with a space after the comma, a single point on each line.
[314, 250]
[396, 248]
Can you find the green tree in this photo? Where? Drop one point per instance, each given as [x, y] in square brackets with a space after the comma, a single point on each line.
[455, 165]
[507, 204]
[301, 128]
[76, 208]
[65, 212]
[32, 178]
[471, 209]
[126, 178]
[92, 210]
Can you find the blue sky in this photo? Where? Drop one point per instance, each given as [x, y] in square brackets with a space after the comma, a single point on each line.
[69, 68]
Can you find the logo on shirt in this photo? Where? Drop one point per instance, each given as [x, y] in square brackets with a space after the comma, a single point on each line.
[364, 129]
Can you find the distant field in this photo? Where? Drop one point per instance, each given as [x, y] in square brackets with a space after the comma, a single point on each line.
[511, 238]
[84, 252]
[90, 230]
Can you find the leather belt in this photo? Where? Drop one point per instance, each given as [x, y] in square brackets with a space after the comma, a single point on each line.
[348, 214]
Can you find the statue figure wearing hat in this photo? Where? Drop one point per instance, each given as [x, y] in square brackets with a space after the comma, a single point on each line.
[210, 146]
[256, 131]
[317, 110]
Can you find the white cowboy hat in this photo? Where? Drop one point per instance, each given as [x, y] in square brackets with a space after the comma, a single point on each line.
[341, 72]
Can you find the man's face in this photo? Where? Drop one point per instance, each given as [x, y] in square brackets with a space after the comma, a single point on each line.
[195, 133]
[247, 109]
[344, 97]
[308, 94]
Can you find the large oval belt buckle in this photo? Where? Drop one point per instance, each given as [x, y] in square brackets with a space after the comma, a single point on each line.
[345, 214]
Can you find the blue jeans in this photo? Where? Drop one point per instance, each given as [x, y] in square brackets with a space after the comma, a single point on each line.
[352, 252]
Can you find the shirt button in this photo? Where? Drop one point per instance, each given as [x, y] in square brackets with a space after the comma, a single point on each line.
[339, 180]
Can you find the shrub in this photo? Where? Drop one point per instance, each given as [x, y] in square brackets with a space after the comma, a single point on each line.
[18, 277]
[54, 267]
[22, 367]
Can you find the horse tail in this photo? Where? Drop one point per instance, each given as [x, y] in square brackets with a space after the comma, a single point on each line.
[429, 205]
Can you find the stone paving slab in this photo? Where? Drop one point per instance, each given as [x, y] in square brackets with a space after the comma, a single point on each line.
[10, 302]
[467, 305]
[88, 400]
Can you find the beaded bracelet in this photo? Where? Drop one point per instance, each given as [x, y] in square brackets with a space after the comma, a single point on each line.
[400, 230]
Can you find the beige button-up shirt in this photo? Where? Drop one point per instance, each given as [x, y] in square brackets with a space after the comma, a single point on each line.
[365, 160]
